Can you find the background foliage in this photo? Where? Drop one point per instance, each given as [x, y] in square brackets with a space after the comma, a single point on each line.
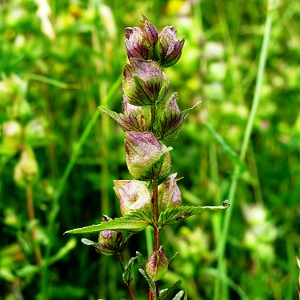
[60, 60]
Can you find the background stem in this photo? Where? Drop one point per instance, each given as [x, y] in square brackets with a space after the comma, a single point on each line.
[30, 208]
[246, 139]
[55, 209]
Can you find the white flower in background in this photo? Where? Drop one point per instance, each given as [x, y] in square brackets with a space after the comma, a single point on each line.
[44, 12]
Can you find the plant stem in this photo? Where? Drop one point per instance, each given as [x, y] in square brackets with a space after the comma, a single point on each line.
[155, 204]
[30, 208]
[156, 214]
[119, 255]
[156, 228]
[153, 117]
[237, 170]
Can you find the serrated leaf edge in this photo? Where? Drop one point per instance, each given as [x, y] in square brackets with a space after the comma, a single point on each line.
[135, 222]
[176, 214]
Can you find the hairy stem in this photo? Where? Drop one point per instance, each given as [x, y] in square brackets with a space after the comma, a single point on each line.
[156, 229]
[119, 255]
[30, 208]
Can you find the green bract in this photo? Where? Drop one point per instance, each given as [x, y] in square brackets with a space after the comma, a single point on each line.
[144, 83]
[146, 157]
[136, 44]
[157, 264]
[168, 48]
[135, 118]
[140, 42]
[133, 195]
[169, 194]
[106, 242]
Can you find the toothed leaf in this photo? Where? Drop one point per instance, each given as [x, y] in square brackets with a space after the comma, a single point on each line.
[127, 277]
[176, 214]
[141, 260]
[135, 221]
[150, 282]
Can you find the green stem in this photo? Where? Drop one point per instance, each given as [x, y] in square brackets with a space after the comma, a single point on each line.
[149, 241]
[246, 139]
[51, 231]
[154, 204]
[30, 208]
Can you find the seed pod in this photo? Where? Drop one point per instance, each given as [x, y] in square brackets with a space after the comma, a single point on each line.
[108, 240]
[26, 170]
[133, 195]
[157, 264]
[146, 157]
[169, 120]
[169, 195]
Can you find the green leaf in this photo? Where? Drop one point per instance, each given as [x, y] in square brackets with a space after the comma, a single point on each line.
[112, 114]
[165, 294]
[150, 282]
[136, 221]
[176, 214]
[140, 259]
[27, 271]
[160, 163]
[71, 244]
[186, 112]
[172, 258]
[52, 81]
[127, 272]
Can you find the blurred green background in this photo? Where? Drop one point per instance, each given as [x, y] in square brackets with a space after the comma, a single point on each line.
[60, 60]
